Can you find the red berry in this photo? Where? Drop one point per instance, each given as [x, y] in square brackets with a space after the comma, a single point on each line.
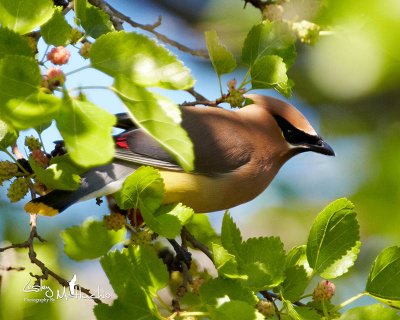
[54, 77]
[324, 291]
[59, 55]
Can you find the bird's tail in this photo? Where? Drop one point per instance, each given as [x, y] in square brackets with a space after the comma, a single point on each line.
[96, 182]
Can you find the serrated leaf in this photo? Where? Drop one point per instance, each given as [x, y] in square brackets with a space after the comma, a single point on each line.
[295, 283]
[230, 235]
[8, 135]
[24, 16]
[11, 43]
[333, 235]
[136, 274]
[169, 219]
[96, 22]
[200, 227]
[159, 117]
[342, 265]
[297, 257]
[384, 278]
[225, 263]
[61, 174]
[261, 259]
[222, 59]
[270, 72]
[56, 31]
[374, 311]
[140, 59]
[90, 240]
[236, 310]
[217, 288]
[135, 267]
[86, 130]
[269, 38]
[143, 189]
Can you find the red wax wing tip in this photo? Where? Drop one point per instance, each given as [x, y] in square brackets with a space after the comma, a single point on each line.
[121, 142]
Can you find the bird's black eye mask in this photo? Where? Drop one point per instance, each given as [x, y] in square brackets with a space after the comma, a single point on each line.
[295, 136]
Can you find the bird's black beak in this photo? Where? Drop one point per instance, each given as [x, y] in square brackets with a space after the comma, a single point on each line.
[321, 147]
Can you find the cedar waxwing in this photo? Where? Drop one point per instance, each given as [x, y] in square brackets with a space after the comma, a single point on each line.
[237, 154]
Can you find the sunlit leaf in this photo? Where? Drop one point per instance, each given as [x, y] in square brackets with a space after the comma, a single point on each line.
[221, 58]
[236, 310]
[90, 240]
[8, 135]
[140, 59]
[374, 311]
[159, 117]
[86, 130]
[24, 16]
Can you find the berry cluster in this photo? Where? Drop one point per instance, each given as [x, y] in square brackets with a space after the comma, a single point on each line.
[32, 143]
[235, 97]
[114, 221]
[306, 31]
[18, 189]
[142, 237]
[324, 291]
[266, 308]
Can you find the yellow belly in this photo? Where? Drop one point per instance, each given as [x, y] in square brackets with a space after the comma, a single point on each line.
[207, 194]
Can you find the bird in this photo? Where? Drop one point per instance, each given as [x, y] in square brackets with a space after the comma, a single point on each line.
[237, 154]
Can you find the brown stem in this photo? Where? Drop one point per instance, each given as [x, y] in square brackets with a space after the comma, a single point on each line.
[117, 16]
[197, 244]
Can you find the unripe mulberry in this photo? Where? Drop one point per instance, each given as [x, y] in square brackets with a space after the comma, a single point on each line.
[54, 77]
[324, 291]
[7, 169]
[32, 143]
[114, 221]
[18, 189]
[266, 308]
[84, 51]
[59, 55]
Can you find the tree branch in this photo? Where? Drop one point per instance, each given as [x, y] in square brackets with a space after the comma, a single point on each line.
[117, 16]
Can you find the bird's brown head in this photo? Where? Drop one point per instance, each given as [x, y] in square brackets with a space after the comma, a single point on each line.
[289, 126]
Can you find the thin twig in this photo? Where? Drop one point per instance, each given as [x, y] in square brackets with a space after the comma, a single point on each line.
[116, 15]
[277, 296]
[197, 244]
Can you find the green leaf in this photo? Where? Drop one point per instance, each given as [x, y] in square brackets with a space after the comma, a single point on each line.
[300, 313]
[40, 108]
[269, 38]
[270, 72]
[8, 135]
[24, 16]
[61, 173]
[135, 267]
[86, 130]
[374, 311]
[384, 278]
[136, 274]
[221, 58]
[225, 263]
[236, 310]
[143, 189]
[80, 9]
[295, 283]
[297, 257]
[230, 235]
[140, 59]
[200, 227]
[261, 259]
[333, 236]
[20, 98]
[90, 240]
[159, 117]
[169, 219]
[96, 22]
[219, 288]
[56, 31]
[11, 43]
